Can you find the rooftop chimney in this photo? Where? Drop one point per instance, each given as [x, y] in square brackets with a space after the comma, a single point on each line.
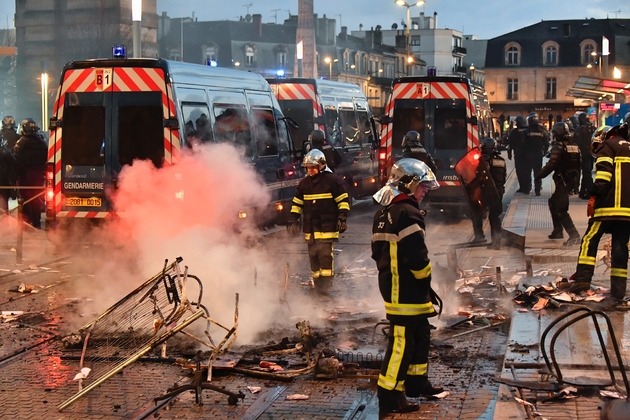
[257, 22]
[344, 32]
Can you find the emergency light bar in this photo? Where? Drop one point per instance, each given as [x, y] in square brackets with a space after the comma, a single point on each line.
[119, 51]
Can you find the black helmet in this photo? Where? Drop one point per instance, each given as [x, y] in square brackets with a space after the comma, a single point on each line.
[8, 122]
[598, 138]
[488, 145]
[532, 118]
[583, 118]
[561, 131]
[575, 122]
[521, 121]
[626, 119]
[29, 126]
[317, 137]
[412, 138]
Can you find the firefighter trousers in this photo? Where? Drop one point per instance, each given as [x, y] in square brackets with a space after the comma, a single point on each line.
[559, 208]
[620, 231]
[406, 362]
[320, 254]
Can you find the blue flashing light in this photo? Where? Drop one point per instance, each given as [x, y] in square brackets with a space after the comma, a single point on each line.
[431, 71]
[119, 51]
[280, 73]
[211, 63]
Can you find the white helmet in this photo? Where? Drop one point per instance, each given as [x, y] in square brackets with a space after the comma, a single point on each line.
[315, 157]
[406, 175]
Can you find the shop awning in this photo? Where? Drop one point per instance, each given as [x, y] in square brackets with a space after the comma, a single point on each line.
[598, 89]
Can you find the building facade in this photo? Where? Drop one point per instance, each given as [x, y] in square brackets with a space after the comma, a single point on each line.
[534, 68]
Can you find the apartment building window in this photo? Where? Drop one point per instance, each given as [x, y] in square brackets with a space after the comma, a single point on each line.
[512, 89]
[551, 88]
[513, 54]
[588, 48]
[551, 55]
[415, 40]
[250, 56]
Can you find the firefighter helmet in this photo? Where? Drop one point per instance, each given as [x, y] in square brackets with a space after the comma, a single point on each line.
[598, 138]
[29, 126]
[406, 175]
[561, 131]
[317, 138]
[412, 138]
[521, 121]
[8, 122]
[488, 145]
[532, 118]
[315, 158]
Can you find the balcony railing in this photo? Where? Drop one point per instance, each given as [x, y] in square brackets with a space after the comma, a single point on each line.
[459, 69]
[459, 50]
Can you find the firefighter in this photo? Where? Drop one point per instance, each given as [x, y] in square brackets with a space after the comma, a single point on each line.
[317, 139]
[535, 147]
[497, 168]
[9, 133]
[516, 143]
[413, 148]
[608, 211]
[321, 199]
[583, 136]
[404, 279]
[31, 154]
[565, 163]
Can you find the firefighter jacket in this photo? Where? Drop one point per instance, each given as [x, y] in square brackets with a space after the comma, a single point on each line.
[565, 161]
[536, 140]
[498, 172]
[321, 200]
[612, 180]
[402, 259]
[420, 153]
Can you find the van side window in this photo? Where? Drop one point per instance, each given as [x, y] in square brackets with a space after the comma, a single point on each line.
[197, 128]
[232, 125]
[332, 125]
[349, 129]
[265, 132]
[84, 136]
[365, 127]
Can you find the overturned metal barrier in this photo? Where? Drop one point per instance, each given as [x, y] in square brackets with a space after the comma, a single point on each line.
[144, 319]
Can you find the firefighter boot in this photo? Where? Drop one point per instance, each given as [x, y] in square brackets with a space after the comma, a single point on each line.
[618, 287]
[394, 402]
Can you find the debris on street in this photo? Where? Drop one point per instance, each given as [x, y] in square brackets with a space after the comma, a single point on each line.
[297, 397]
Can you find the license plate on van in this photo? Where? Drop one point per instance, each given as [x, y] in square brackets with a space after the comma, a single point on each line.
[84, 202]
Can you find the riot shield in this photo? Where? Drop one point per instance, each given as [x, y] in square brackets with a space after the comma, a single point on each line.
[474, 175]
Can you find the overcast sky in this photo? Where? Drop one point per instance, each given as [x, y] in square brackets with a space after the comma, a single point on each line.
[485, 18]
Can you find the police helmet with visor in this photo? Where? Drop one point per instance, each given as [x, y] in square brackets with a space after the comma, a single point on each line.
[561, 130]
[406, 175]
[412, 138]
[582, 118]
[8, 122]
[488, 145]
[532, 118]
[317, 137]
[315, 158]
[29, 126]
[521, 121]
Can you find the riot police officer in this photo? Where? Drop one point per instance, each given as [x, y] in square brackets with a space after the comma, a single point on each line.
[516, 143]
[535, 147]
[31, 154]
[7, 178]
[565, 163]
[413, 148]
[583, 135]
[497, 168]
[317, 139]
[608, 211]
[322, 201]
[9, 133]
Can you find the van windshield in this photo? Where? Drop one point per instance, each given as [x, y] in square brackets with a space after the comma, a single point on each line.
[300, 111]
[450, 124]
[84, 136]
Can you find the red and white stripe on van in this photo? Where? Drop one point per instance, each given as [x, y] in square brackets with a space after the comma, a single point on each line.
[299, 91]
[121, 79]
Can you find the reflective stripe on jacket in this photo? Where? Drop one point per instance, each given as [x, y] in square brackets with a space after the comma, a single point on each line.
[612, 180]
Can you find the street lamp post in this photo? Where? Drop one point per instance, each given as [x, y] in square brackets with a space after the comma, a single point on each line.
[136, 17]
[330, 62]
[408, 29]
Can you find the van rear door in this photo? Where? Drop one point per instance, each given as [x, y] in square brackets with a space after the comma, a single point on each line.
[109, 118]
